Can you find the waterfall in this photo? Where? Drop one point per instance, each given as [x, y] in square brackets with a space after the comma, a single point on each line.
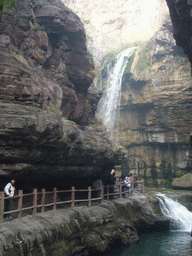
[107, 107]
[181, 218]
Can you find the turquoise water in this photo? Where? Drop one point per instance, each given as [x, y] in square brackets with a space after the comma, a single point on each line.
[176, 242]
[169, 243]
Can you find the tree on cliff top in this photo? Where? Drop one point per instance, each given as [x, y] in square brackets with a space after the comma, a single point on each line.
[6, 4]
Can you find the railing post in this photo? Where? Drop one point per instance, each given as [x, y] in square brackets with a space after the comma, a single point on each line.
[102, 193]
[120, 190]
[132, 187]
[34, 200]
[1, 205]
[72, 196]
[89, 196]
[107, 191]
[20, 203]
[54, 198]
[43, 200]
[142, 186]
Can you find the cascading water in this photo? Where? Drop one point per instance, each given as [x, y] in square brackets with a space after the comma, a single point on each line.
[181, 218]
[107, 107]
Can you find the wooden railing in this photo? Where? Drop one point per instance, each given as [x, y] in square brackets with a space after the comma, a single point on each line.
[39, 198]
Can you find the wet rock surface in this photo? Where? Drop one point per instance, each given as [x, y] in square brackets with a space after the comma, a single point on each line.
[79, 230]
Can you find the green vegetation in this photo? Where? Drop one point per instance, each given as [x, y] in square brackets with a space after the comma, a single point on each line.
[144, 63]
[167, 184]
[129, 63]
[145, 175]
[86, 21]
[90, 38]
[8, 4]
[125, 168]
[20, 57]
[41, 33]
[163, 168]
[167, 174]
[154, 174]
[34, 25]
[111, 55]
[52, 108]
[166, 170]
[91, 60]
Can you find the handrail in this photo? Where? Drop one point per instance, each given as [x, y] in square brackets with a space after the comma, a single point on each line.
[107, 192]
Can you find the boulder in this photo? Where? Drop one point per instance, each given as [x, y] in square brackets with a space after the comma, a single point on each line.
[185, 182]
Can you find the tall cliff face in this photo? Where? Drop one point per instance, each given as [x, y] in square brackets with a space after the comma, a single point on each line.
[47, 98]
[155, 119]
[180, 12]
[45, 61]
[111, 25]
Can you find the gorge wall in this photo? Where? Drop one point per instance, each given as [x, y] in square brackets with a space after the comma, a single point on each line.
[155, 109]
[163, 118]
[180, 12]
[48, 129]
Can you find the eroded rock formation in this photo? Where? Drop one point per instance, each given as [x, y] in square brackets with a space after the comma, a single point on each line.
[47, 99]
[180, 12]
[155, 120]
[82, 230]
[181, 16]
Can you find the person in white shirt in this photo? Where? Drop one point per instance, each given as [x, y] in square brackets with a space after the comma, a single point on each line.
[9, 192]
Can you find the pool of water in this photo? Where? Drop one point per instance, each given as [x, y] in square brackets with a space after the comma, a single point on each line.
[169, 243]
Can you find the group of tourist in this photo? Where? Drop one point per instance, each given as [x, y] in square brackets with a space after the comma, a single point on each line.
[128, 182]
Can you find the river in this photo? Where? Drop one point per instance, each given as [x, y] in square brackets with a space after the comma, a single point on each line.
[170, 243]
[176, 242]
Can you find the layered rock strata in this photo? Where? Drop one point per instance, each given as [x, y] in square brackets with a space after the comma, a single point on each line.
[180, 12]
[155, 119]
[47, 99]
[81, 230]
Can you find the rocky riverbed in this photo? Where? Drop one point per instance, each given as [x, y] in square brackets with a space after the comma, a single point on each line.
[82, 230]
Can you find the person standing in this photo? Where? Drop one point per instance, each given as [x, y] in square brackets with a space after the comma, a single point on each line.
[96, 185]
[112, 182]
[9, 192]
[131, 181]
